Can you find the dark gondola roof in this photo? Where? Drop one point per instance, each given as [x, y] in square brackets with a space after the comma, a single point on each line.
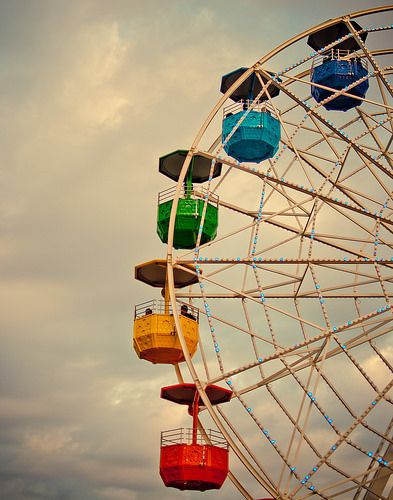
[172, 163]
[250, 88]
[328, 35]
[154, 272]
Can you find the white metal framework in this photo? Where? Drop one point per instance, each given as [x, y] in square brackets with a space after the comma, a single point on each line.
[295, 292]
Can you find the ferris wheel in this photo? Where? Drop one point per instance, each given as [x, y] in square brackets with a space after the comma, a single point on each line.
[276, 307]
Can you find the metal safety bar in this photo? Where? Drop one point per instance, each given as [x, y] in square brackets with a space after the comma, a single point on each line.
[185, 435]
[340, 55]
[193, 193]
[245, 104]
[158, 307]
[152, 307]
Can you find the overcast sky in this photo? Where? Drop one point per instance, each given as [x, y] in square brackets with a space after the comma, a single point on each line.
[91, 94]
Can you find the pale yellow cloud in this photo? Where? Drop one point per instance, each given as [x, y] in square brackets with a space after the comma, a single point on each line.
[57, 441]
[39, 300]
[89, 94]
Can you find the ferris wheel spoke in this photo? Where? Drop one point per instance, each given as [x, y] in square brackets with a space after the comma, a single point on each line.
[296, 366]
[340, 139]
[371, 129]
[274, 308]
[246, 447]
[311, 340]
[362, 194]
[183, 257]
[342, 286]
[349, 430]
[307, 152]
[239, 486]
[287, 414]
[287, 261]
[358, 222]
[277, 399]
[304, 408]
[292, 205]
[388, 145]
[385, 101]
[361, 210]
[294, 278]
[387, 457]
[376, 175]
[381, 356]
[349, 355]
[371, 169]
[377, 70]
[330, 134]
[358, 484]
[365, 118]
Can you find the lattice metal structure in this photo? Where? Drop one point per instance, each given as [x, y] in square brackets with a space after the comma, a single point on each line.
[295, 291]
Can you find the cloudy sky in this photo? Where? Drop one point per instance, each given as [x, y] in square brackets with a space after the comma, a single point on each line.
[91, 94]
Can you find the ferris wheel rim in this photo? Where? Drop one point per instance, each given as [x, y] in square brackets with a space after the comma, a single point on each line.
[171, 261]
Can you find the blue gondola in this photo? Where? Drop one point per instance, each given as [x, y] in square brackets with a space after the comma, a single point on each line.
[340, 67]
[256, 138]
[337, 71]
[258, 133]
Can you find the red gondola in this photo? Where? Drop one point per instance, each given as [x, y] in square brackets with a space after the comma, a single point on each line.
[193, 459]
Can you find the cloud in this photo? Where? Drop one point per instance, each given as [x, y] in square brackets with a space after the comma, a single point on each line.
[92, 93]
[89, 92]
